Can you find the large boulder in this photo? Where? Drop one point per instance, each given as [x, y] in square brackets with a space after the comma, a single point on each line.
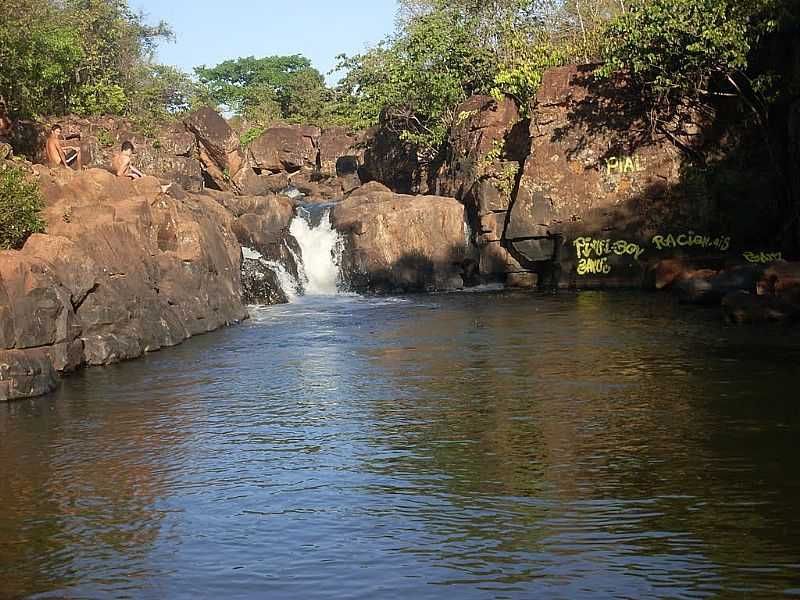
[285, 148]
[395, 242]
[219, 148]
[338, 150]
[392, 161]
[260, 284]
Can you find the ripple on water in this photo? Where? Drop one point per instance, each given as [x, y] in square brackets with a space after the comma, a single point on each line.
[492, 445]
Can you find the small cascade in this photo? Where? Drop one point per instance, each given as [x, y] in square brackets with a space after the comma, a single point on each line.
[289, 285]
[319, 248]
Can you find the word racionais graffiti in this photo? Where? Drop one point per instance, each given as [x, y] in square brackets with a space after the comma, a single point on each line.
[620, 165]
[691, 240]
[593, 254]
[762, 257]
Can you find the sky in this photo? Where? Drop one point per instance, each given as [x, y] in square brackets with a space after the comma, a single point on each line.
[209, 31]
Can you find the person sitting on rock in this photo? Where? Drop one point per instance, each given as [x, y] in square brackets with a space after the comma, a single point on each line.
[121, 163]
[60, 155]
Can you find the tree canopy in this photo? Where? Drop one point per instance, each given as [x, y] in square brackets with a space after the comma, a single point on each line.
[263, 89]
[86, 57]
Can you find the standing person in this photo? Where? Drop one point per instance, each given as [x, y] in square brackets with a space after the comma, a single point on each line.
[58, 154]
[121, 163]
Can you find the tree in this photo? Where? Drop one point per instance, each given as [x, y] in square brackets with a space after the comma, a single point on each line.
[680, 51]
[82, 56]
[262, 89]
[417, 78]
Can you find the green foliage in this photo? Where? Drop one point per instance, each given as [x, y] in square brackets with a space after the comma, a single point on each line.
[691, 49]
[84, 56]
[249, 136]
[104, 138]
[20, 203]
[417, 78]
[266, 89]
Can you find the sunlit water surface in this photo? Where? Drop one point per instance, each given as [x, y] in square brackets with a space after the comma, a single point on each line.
[459, 446]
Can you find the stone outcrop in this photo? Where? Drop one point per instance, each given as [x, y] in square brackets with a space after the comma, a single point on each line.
[395, 242]
[261, 223]
[224, 163]
[393, 162]
[486, 149]
[168, 152]
[285, 148]
[123, 270]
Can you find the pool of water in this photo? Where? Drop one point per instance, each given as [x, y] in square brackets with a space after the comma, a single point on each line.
[493, 445]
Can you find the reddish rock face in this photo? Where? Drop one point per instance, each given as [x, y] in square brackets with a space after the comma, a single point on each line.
[335, 144]
[169, 152]
[393, 162]
[123, 270]
[285, 148]
[219, 147]
[395, 242]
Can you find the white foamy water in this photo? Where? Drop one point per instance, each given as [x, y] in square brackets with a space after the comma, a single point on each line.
[319, 247]
[288, 283]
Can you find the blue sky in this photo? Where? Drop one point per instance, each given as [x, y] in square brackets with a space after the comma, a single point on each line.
[209, 32]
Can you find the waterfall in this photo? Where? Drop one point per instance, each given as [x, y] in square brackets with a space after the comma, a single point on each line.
[319, 249]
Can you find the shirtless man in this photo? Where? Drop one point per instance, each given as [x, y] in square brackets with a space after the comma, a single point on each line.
[121, 163]
[60, 155]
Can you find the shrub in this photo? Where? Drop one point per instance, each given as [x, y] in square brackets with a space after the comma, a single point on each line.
[20, 203]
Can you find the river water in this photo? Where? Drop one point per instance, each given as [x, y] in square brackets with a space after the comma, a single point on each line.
[494, 445]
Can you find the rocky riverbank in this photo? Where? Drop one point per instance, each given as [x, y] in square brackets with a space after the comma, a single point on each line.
[578, 194]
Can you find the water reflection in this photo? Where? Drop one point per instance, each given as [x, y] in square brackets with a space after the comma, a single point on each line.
[477, 446]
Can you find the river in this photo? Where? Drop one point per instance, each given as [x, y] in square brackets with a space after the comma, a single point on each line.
[470, 446]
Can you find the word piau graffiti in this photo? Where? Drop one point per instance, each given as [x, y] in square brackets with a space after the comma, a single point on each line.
[620, 165]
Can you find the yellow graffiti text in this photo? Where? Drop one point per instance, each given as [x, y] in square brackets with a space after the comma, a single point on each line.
[691, 240]
[587, 247]
[762, 257]
[594, 266]
[620, 165]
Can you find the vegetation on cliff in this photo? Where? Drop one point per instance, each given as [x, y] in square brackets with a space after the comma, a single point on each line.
[20, 203]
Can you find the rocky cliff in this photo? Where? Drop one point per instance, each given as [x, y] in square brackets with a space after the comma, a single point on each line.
[124, 269]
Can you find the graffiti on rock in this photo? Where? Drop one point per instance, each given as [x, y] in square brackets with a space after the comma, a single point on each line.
[593, 254]
[761, 258]
[622, 165]
[691, 240]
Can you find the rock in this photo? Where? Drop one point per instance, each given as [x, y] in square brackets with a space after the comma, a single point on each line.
[744, 307]
[219, 147]
[595, 169]
[260, 284]
[400, 243]
[781, 279]
[666, 273]
[24, 374]
[123, 270]
[338, 147]
[392, 161]
[285, 148]
[705, 288]
[252, 184]
[477, 139]
[524, 280]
